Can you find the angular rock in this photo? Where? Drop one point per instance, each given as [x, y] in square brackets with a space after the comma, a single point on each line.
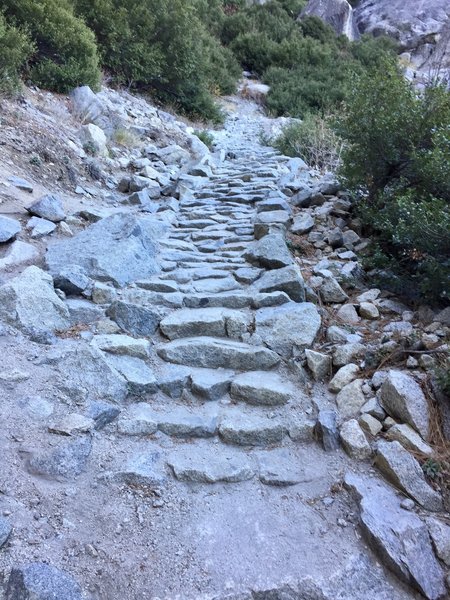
[370, 424]
[214, 353]
[145, 469]
[201, 465]
[5, 531]
[40, 227]
[18, 253]
[121, 249]
[354, 441]
[350, 399]
[138, 419]
[326, 430]
[173, 380]
[398, 536]
[29, 301]
[122, 344]
[347, 314]
[48, 207]
[288, 328]
[94, 139]
[367, 310]
[331, 292]
[409, 439]
[440, 535]
[343, 377]
[264, 388]
[71, 424]
[86, 374]
[21, 184]
[9, 228]
[402, 398]
[103, 413]
[271, 252]
[187, 322]
[211, 384]
[39, 581]
[64, 463]
[347, 353]
[302, 224]
[319, 364]
[288, 279]
[184, 422]
[245, 429]
[139, 376]
[72, 282]
[135, 319]
[403, 470]
[83, 311]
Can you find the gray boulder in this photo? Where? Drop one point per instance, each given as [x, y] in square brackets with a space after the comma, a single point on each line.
[29, 302]
[398, 536]
[9, 228]
[271, 252]
[39, 581]
[288, 279]
[288, 328]
[135, 319]
[48, 207]
[403, 470]
[302, 224]
[403, 399]
[121, 248]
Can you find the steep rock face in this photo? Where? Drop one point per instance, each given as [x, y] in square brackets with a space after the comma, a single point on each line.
[422, 28]
[338, 13]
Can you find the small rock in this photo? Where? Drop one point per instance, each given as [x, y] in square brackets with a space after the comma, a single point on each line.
[40, 227]
[343, 377]
[331, 292]
[347, 314]
[373, 408]
[302, 224]
[354, 441]
[5, 531]
[122, 344]
[370, 424]
[72, 423]
[367, 310]
[350, 399]
[21, 184]
[409, 439]
[48, 207]
[440, 535]
[9, 228]
[319, 364]
[326, 430]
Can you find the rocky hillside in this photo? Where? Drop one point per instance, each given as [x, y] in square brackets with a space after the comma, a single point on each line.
[422, 28]
[201, 397]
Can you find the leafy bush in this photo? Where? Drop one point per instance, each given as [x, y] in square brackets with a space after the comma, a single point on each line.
[66, 50]
[396, 162]
[205, 137]
[16, 50]
[313, 140]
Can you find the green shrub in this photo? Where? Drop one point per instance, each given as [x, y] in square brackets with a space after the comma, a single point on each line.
[16, 49]
[205, 137]
[396, 163]
[313, 140]
[66, 50]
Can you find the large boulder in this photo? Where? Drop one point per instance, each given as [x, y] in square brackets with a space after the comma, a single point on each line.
[288, 328]
[121, 248]
[399, 537]
[29, 302]
[337, 13]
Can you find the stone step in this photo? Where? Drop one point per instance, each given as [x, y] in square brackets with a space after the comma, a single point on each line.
[262, 388]
[212, 322]
[213, 353]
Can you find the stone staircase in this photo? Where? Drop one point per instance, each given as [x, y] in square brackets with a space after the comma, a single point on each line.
[228, 381]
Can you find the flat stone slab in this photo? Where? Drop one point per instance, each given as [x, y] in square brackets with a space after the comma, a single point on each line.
[121, 248]
[244, 429]
[211, 384]
[122, 345]
[215, 353]
[143, 469]
[282, 467]
[270, 252]
[398, 536]
[262, 387]
[19, 253]
[210, 465]
[139, 376]
[199, 322]
[180, 421]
